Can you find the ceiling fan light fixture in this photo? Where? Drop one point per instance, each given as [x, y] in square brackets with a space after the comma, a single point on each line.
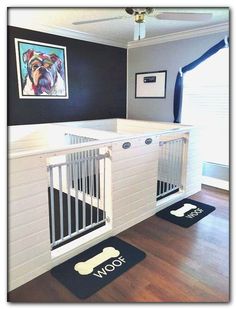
[139, 17]
[134, 11]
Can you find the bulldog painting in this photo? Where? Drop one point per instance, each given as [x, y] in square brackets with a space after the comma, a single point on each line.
[41, 70]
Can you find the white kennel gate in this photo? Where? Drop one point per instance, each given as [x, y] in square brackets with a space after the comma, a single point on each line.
[170, 166]
[77, 188]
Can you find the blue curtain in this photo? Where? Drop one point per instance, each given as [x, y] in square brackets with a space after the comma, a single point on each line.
[178, 93]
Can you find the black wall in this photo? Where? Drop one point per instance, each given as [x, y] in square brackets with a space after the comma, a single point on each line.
[96, 80]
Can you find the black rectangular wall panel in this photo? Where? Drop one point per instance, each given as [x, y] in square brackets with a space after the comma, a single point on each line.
[96, 80]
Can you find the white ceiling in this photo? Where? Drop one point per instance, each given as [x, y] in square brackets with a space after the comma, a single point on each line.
[119, 30]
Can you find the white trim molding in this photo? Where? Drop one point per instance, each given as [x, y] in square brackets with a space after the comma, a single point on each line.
[215, 182]
[180, 35]
[69, 33]
[84, 36]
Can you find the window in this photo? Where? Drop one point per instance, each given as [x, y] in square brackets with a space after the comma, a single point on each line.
[206, 104]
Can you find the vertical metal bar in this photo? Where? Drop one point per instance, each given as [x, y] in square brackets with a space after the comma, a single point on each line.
[168, 168]
[73, 165]
[176, 165]
[61, 203]
[83, 189]
[165, 173]
[89, 189]
[178, 160]
[85, 172]
[94, 154]
[104, 188]
[167, 156]
[162, 166]
[171, 166]
[181, 162]
[167, 159]
[97, 186]
[86, 165]
[174, 173]
[76, 197]
[80, 172]
[92, 187]
[68, 179]
[83, 168]
[73, 158]
[174, 153]
[52, 204]
[77, 166]
[159, 169]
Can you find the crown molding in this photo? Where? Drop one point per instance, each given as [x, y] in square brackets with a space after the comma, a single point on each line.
[188, 34]
[73, 34]
[69, 33]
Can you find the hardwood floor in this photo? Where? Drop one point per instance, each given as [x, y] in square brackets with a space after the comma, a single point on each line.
[182, 265]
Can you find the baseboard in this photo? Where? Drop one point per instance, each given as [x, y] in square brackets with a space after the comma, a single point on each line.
[215, 182]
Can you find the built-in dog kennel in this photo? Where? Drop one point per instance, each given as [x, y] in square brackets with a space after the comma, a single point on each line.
[73, 184]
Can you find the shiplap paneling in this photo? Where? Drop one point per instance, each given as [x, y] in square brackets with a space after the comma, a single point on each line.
[30, 215]
[21, 164]
[23, 230]
[132, 170]
[132, 198]
[19, 258]
[22, 191]
[29, 241]
[134, 209]
[29, 265]
[25, 177]
[16, 281]
[28, 221]
[124, 184]
[24, 204]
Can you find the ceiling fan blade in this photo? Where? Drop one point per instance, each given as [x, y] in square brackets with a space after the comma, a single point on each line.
[97, 20]
[184, 16]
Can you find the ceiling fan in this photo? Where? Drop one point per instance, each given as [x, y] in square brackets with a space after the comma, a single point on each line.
[141, 13]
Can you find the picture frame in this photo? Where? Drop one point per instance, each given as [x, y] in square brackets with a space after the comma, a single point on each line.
[41, 70]
[150, 85]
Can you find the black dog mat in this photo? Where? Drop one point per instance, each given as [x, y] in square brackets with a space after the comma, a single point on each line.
[186, 212]
[94, 268]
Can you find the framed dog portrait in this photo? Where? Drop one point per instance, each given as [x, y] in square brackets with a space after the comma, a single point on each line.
[41, 70]
[150, 84]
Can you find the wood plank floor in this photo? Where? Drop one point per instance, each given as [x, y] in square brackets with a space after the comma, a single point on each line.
[182, 265]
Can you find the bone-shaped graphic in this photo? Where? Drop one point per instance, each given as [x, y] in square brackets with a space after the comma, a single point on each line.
[87, 267]
[182, 210]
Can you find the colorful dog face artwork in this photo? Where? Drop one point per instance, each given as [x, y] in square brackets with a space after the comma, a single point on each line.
[41, 70]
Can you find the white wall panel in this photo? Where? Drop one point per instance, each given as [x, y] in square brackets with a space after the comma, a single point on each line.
[28, 222]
